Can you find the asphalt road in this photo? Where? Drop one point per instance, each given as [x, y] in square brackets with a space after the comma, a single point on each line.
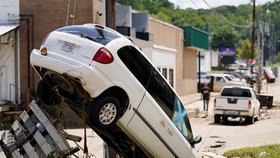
[234, 134]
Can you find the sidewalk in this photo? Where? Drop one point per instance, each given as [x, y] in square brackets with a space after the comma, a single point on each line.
[190, 98]
[193, 103]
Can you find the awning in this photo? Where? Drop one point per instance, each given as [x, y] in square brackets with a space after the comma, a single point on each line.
[7, 28]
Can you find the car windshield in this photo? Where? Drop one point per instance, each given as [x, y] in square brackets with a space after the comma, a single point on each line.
[236, 92]
[92, 33]
[181, 120]
[230, 79]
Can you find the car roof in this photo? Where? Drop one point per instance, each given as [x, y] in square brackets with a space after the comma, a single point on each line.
[241, 87]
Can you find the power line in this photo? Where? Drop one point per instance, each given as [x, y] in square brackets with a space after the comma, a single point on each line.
[194, 4]
[225, 19]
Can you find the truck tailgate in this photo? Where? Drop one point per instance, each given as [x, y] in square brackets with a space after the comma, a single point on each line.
[232, 103]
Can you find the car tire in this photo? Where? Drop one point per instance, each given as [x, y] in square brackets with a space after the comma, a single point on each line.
[224, 118]
[217, 118]
[105, 112]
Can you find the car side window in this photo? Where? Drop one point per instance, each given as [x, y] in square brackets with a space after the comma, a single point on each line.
[149, 77]
[136, 63]
[157, 87]
[219, 79]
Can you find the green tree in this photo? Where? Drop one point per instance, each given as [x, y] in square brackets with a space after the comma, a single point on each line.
[278, 57]
[227, 37]
[244, 52]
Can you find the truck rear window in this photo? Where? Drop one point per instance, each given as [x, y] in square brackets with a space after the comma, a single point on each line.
[236, 92]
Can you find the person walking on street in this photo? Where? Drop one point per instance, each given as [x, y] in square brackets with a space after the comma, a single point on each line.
[205, 95]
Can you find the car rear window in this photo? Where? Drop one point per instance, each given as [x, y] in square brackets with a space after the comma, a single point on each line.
[236, 92]
[92, 33]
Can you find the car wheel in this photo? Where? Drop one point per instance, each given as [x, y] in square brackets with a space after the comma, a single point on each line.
[217, 118]
[250, 119]
[105, 112]
[225, 118]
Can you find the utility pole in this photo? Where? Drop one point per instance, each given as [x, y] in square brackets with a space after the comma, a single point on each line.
[110, 6]
[111, 14]
[253, 33]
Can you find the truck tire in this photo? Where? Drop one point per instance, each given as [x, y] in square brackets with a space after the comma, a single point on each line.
[217, 118]
[250, 119]
[259, 115]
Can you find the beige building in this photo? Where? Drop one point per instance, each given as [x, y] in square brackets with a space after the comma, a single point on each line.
[185, 47]
[171, 49]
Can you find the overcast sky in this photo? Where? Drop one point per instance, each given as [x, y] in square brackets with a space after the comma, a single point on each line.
[212, 3]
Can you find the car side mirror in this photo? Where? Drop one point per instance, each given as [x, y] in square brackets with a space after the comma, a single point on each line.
[196, 140]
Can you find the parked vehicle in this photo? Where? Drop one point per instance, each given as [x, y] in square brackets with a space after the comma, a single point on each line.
[234, 79]
[236, 102]
[221, 80]
[268, 75]
[204, 77]
[126, 99]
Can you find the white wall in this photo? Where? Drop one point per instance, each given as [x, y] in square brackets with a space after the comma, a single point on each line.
[208, 60]
[163, 58]
[214, 58]
[205, 61]
[9, 15]
[9, 11]
[7, 69]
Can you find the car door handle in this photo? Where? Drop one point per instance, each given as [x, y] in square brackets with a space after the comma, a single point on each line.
[163, 123]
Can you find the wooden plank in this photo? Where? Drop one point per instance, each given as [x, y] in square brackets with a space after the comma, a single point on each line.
[16, 154]
[44, 148]
[26, 146]
[57, 138]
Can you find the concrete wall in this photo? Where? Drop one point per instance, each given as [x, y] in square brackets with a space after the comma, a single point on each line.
[174, 38]
[185, 69]
[46, 16]
[173, 42]
[189, 71]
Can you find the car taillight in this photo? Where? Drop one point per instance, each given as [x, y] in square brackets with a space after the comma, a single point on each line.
[249, 104]
[103, 56]
[215, 102]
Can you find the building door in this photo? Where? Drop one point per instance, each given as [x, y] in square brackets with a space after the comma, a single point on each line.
[3, 83]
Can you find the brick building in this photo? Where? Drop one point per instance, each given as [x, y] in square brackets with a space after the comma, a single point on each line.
[38, 18]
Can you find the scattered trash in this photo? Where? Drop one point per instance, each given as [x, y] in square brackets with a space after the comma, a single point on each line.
[211, 155]
[219, 141]
[264, 113]
[263, 154]
[216, 146]
[202, 114]
[8, 138]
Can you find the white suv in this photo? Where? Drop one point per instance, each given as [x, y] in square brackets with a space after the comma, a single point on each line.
[127, 100]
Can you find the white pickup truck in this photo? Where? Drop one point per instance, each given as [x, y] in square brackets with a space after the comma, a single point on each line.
[236, 102]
